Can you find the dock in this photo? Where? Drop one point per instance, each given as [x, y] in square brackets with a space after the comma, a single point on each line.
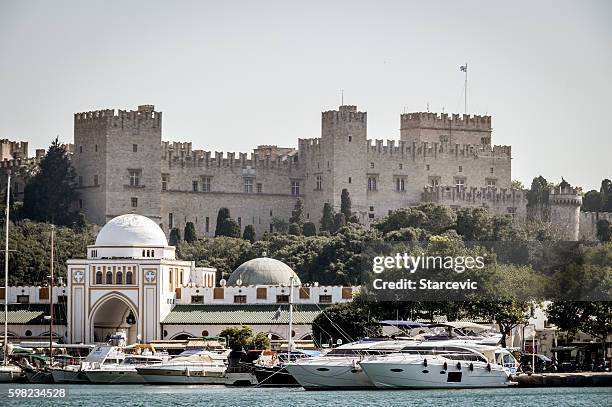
[583, 379]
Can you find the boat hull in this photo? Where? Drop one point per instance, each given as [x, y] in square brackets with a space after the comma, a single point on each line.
[414, 374]
[10, 374]
[104, 376]
[182, 375]
[274, 377]
[69, 376]
[341, 374]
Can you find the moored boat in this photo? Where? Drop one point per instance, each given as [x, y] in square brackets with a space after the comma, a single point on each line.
[190, 367]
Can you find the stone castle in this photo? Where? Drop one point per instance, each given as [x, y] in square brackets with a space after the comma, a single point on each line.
[123, 166]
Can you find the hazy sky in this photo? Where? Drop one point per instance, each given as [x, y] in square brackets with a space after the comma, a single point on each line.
[231, 75]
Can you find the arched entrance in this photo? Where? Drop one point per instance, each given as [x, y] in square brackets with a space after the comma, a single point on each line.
[114, 314]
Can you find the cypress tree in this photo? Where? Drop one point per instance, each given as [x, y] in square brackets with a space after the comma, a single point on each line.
[327, 220]
[249, 233]
[175, 237]
[190, 232]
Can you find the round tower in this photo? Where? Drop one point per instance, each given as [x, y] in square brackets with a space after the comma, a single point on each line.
[565, 203]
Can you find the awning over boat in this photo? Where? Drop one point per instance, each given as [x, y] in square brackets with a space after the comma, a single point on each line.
[403, 323]
[255, 314]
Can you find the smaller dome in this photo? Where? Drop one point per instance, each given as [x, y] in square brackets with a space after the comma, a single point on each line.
[263, 271]
[131, 230]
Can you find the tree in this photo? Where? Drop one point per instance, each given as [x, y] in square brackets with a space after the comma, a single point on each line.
[537, 198]
[327, 220]
[249, 233]
[260, 341]
[295, 229]
[297, 215]
[593, 318]
[346, 322]
[591, 202]
[606, 195]
[516, 184]
[508, 314]
[309, 229]
[190, 233]
[280, 225]
[50, 195]
[604, 230]
[226, 226]
[345, 207]
[175, 237]
[339, 221]
[237, 337]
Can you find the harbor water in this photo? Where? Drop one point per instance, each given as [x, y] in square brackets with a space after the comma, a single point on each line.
[146, 395]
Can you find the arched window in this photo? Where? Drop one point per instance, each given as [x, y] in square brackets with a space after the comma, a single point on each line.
[152, 253]
[119, 278]
[98, 277]
[109, 277]
[144, 253]
[171, 286]
[128, 278]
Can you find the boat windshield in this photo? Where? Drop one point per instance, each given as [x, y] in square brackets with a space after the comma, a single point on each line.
[449, 352]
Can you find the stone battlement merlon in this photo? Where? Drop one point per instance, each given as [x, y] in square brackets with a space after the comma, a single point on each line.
[480, 195]
[444, 121]
[145, 114]
[202, 158]
[18, 162]
[425, 148]
[344, 113]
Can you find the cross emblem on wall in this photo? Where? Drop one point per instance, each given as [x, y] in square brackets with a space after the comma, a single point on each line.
[78, 276]
[150, 276]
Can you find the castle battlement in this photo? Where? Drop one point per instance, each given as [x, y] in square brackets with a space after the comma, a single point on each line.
[345, 113]
[17, 163]
[144, 116]
[566, 196]
[427, 149]
[310, 144]
[206, 159]
[444, 121]
[475, 196]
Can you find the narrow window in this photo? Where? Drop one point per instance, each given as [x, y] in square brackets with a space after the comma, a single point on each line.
[371, 165]
[295, 187]
[134, 202]
[207, 225]
[319, 182]
[372, 183]
[194, 186]
[170, 221]
[98, 277]
[164, 182]
[135, 148]
[460, 168]
[119, 278]
[134, 178]
[96, 180]
[259, 188]
[128, 277]
[248, 185]
[205, 184]
[109, 277]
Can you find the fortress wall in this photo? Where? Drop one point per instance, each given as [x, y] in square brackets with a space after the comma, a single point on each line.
[588, 224]
[255, 209]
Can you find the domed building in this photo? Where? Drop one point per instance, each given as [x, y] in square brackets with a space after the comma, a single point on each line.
[129, 281]
[263, 271]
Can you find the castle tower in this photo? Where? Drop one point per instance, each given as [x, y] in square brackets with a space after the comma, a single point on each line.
[455, 129]
[565, 203]
[336, 160]
[117, 158]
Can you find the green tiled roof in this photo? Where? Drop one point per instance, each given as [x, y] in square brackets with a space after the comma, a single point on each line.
[235, 314]
[33, 314]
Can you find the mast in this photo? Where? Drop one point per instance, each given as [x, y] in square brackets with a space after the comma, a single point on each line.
[290, 336]
[51, 302]
[6, 236]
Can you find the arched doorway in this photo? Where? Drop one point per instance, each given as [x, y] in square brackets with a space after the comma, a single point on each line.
[114, 315]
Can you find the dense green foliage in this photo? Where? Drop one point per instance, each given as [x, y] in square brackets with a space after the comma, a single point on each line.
[50, 195]
[189, 234]
[29, 263]
[241, 337]
[226, 226]
[249, 233]
[175, 237]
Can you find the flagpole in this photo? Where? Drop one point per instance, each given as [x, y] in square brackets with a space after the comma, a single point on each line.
[465, 91]
[6, 252]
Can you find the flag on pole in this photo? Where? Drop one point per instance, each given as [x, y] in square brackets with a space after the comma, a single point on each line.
[277, 314]
[463, 68]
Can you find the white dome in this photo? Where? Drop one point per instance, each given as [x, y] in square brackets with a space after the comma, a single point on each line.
[131, 230]
[263, 271]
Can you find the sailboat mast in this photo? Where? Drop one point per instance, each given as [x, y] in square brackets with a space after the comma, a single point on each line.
[51, 303]
[6, 236]
[290, 336]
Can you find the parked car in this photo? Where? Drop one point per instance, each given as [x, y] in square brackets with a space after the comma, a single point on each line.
[543, 364]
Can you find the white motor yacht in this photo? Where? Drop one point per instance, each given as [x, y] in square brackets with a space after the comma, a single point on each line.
[437, 365]
[125, 372]
[10, 373]
[102, 355]
[190, 367]
[340, 368]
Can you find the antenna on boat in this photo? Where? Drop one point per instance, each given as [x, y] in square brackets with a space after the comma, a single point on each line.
[6, 251]
[51, 302]
[290, 340]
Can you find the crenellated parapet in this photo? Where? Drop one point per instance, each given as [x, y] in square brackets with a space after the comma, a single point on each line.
[444, 121]
[474, 195]
[434, 149]
[181, 155]
[18, 163]
[145, 117]
[345, 113]
[566, 196]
